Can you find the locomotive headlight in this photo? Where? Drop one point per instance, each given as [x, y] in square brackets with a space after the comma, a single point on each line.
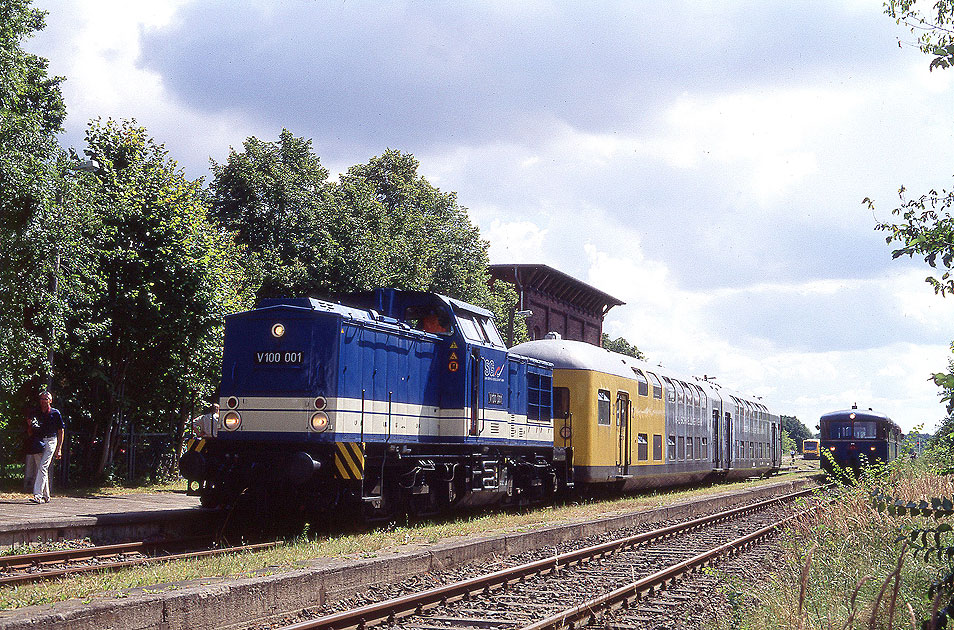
[232, 420]
[831, 448]
[278, 330]
[872, 448]
[319, 421]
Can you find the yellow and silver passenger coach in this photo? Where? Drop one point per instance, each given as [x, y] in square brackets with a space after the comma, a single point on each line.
[632, 425]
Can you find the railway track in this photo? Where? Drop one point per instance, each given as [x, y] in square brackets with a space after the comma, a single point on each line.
[573, 588]
[47, 565]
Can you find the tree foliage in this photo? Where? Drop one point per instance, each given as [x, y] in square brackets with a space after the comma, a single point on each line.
[934, 29]
[796, 430]
[381, 224]
[622, 346]
[146, 325]
[31, 113]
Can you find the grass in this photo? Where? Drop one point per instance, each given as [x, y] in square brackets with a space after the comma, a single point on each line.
[298, 552]
[844, 567]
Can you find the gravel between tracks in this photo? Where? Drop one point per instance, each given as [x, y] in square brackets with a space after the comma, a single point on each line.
[708, 605]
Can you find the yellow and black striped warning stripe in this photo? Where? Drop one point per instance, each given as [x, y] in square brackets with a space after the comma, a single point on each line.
[349, 460]
[196, 444]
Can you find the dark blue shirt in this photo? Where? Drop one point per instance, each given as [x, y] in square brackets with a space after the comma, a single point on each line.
[50, 422]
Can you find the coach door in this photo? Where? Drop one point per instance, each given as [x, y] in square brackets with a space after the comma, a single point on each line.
[717, 449]
[624, 449]
[727, 444]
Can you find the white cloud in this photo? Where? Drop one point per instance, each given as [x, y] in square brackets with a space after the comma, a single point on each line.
[96, 45]
[669, 324]
[518, 242]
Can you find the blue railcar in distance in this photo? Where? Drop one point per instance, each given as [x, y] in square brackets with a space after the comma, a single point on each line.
[854, 438]
[386, 401]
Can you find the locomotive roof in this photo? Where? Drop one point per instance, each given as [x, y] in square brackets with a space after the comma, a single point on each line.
[387, 302]
[311, 304]
[860, 414]
[567, 354]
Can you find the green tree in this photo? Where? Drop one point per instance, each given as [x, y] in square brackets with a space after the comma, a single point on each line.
[273, 196]
[935, 29]
[796, 430]
[31, 114]
[621, 346]
[145, 329]
[381, 224]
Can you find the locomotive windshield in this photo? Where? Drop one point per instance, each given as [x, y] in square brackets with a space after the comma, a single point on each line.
[480, 329]
[858, 430]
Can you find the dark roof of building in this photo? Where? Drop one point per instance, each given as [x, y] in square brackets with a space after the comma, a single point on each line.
[557, 284]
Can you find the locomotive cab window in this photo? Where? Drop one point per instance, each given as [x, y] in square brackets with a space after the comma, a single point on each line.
[865, 430]
[839, 430]
[603, 407]
[430, 319]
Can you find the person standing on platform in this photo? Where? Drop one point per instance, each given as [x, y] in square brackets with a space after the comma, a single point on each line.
[31, 446]
[52, 430]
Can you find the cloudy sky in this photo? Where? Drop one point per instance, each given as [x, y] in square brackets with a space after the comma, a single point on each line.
[705, 162]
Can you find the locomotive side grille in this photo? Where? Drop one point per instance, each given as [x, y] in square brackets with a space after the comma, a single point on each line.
[349, 460]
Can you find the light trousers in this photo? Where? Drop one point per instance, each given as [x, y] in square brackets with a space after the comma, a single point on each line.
[41, 487]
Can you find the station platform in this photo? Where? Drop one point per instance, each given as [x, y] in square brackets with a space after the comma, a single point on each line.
[103, 518]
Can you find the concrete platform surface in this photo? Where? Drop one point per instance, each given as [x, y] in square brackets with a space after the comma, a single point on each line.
[66, 517]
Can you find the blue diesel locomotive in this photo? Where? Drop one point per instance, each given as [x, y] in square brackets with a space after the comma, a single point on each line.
[409, 402]
[854, 438]
[399, 402]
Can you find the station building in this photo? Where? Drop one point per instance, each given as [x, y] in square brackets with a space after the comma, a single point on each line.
[557, 303]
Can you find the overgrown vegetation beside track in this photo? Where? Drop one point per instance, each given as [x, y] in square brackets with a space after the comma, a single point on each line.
[846, 567]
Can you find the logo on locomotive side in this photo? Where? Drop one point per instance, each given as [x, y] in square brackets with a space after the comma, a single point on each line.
[491, 370]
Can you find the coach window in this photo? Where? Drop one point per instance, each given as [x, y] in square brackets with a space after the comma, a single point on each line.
[671, 444]
[643, 389]
[705, 448]
[690, 453]
[642, 447]
[670, 390]
[682, 447]
[657, 386]
[603, 407]
[561, 402]
[657, 447]
[699, 454]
